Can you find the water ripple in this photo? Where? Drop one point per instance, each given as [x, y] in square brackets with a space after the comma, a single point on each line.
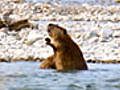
[27, 76]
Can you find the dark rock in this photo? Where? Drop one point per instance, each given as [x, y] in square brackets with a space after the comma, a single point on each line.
[17, 25]
[3, 60]
[2, 24]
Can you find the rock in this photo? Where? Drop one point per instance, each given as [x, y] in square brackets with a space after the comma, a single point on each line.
[116, 34]
[2, 24]
[93, 40]
[14, 59]
[116, 28]
[13, 18]
[17, 25]
[105, 33]
[38, 59]
[5, 16]
[5, 30]
[47, 6]
[88, 35]
[2, 35]
[3, 60]
[104, 39]
[24, 33]
[32, 37]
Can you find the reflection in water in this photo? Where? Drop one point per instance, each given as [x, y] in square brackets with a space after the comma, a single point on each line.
[27, 76]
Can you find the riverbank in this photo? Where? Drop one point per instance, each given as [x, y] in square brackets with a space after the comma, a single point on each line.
[98, 41]
[56, 12]
[95, 28]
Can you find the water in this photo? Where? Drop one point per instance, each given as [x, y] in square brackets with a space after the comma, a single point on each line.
[77, 2]
[28, 76]
[72, 22]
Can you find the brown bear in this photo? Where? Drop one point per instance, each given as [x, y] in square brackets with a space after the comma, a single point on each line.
[67, 54]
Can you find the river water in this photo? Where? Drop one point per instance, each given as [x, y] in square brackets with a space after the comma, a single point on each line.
[77, 2]
[28, 76]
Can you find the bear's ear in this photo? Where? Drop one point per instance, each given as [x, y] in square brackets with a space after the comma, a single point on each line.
[65, 32]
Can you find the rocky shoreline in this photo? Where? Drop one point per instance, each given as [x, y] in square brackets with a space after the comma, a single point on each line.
[56, 12]
[95, 28]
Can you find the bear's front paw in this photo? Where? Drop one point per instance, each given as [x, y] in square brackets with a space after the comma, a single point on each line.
[47, 40]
